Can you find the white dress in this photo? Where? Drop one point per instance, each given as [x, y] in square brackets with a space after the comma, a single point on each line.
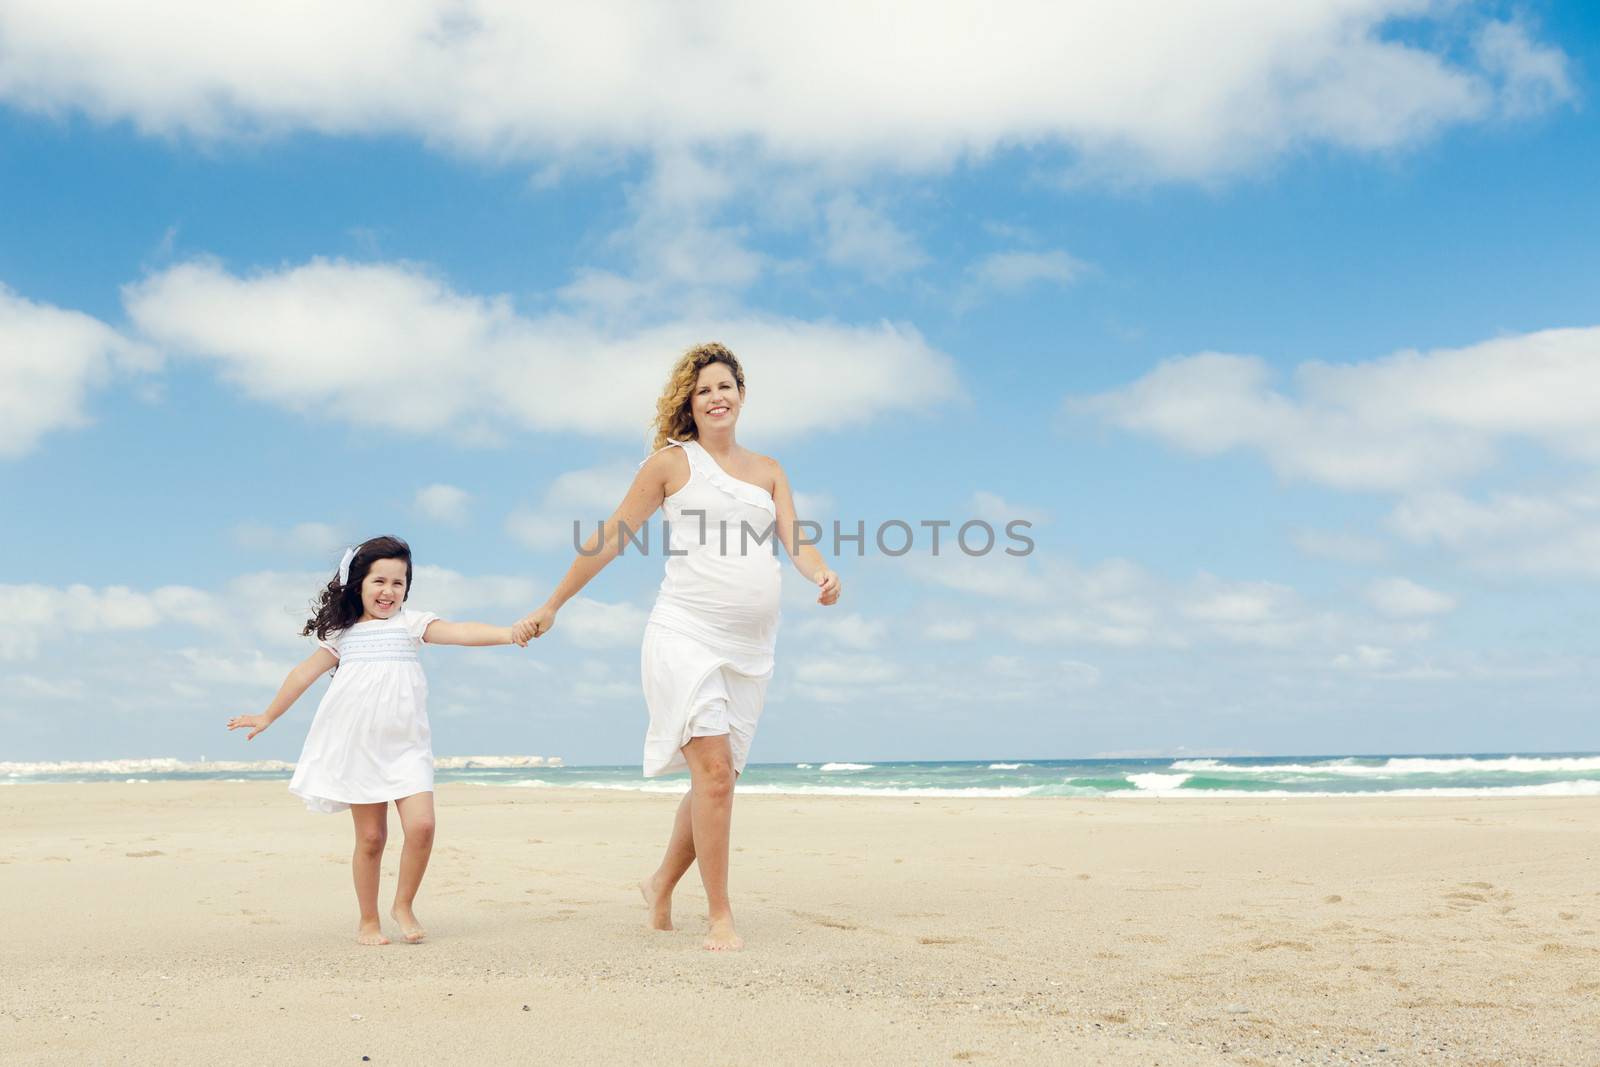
[369, 742]
[708, 646]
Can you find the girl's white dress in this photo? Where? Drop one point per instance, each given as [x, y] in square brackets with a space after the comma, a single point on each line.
[369, 742]
[708, 646]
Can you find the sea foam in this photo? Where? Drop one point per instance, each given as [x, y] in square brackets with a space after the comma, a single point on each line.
[1405, 765]
[1158, 781]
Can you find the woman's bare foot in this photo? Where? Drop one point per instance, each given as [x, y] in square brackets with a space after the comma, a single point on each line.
[410, 929]
[371, 934]
[722, 937]
[659, 904]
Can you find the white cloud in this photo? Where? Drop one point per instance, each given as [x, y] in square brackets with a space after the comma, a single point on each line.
[35, 613]
[50, 359]
[813, 507]
[1402, 598]
[251, 669]
[492, 598]
[443, 503]
[865, 239]
[951, 630]
[1365, 657]
[1119, 604]
[1453, 520]
[848, 630]
[1406, 421]
[302, 539]
[1010, 272]
[1000, 513]
[1533, 77]
[585, 497]
[829, 82]
[1555, 533]
[318, 336]
[596, 624]
[1341, 546]
[842, 677]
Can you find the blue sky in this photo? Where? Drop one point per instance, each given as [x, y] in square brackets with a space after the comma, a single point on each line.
[1286, 344]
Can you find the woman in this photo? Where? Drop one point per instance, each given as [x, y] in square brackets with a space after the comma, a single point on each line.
[708, 646]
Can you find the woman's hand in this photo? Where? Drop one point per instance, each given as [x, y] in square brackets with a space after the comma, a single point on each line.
[828, 583]
[536, 624]
[255, 723]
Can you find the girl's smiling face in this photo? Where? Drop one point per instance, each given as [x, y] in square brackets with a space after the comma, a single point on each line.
[383, 590]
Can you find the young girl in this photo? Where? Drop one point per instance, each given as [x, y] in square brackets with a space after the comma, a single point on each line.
[369, 742]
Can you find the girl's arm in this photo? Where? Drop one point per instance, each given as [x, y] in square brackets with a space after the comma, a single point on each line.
[807, 560]
[315, 666]
[643, 498]
[472, 634]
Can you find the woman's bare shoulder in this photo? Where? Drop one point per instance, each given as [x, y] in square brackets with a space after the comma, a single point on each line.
[666, 465]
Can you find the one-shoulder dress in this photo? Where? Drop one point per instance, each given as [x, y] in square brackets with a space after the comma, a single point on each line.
[708, 645]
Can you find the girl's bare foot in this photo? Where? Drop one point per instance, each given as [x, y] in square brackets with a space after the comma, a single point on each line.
[370, 934]
[722, 937]
[410, 929]
[659, 904]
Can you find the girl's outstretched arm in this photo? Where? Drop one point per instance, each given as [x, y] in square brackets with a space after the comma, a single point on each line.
[474, 634]
[315, 666]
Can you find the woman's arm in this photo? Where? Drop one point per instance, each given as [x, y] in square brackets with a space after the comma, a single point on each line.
[471, 634]
[642, 500]
[807, 560]
[294, 686]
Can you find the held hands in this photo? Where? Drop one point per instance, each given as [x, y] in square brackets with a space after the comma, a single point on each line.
[828, 583]
[536, 624]
[256, 723]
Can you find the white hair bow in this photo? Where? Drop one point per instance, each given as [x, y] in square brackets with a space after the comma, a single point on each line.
[344, 566]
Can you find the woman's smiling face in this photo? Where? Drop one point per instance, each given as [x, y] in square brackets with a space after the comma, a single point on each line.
[716, 399]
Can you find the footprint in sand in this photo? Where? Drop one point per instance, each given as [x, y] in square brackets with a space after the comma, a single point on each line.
[823, 920]
[1333, 899]
[1466, 900]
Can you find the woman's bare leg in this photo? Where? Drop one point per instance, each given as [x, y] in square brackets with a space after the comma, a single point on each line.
[416, 818]
[372, 832]
[710, 819]
[657, 889]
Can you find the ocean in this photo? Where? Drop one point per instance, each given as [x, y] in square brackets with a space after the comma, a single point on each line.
[1440, 775]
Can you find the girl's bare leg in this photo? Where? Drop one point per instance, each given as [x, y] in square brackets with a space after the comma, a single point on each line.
[710, 819]
[372, 832]
[657, 889]
[416, 818]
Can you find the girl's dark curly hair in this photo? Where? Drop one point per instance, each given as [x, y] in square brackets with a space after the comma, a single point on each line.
[339, 606]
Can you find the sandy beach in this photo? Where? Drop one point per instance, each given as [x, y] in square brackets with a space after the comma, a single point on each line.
[212, 923]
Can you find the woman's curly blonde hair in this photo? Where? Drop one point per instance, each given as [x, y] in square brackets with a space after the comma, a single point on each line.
[674, 414]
